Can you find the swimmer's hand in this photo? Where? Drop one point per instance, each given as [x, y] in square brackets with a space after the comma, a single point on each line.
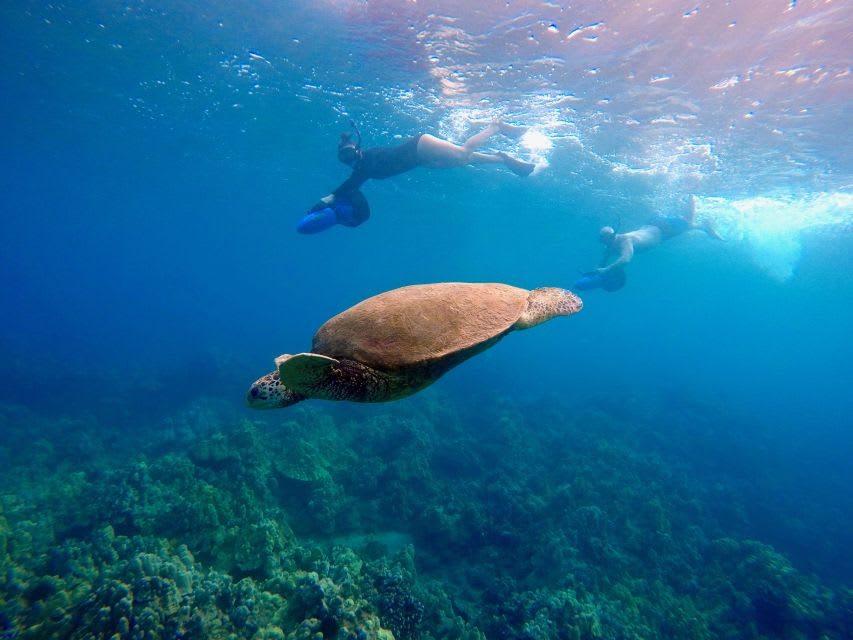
[324, 202]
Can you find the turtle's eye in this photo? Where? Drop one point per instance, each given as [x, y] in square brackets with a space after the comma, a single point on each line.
[254, 392]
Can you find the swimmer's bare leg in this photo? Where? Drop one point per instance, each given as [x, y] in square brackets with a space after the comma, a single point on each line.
[708, 227]
[478, 139]
[518, 167]
[512, 130]
[435, 152]
[690, 216]
[486, 158]
[705, 225]
[509, 130]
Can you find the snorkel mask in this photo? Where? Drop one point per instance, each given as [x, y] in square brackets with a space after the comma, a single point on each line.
[349, 151]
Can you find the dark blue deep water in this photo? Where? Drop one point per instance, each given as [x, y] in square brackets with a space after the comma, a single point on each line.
[673, 462]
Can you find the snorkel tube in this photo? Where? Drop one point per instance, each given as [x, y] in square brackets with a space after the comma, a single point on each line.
[357, 132]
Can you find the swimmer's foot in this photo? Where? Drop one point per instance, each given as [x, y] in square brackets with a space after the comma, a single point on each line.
[511, 130]
[711, 231]
[518, 167]
[691, 209]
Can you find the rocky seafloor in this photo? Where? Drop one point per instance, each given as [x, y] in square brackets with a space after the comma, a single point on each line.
[502, 520]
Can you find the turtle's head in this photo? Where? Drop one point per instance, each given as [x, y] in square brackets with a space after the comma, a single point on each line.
[546, 303]
[606, 235]
[269, 393]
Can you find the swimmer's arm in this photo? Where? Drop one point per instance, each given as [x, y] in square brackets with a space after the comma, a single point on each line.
[348, 186]
[626, 253]
[351, 184]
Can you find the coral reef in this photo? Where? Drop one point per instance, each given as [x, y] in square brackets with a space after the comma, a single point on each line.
[401, 612]
[545, 524]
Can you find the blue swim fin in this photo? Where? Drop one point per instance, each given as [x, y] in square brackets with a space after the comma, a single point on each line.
[612, 280]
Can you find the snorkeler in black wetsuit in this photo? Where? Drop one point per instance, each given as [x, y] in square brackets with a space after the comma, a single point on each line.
[377, 162]
[387, 161]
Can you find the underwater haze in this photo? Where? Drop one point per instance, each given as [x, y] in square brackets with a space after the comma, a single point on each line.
[674, 461]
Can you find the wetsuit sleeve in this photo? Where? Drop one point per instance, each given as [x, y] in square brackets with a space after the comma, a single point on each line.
[350, 184]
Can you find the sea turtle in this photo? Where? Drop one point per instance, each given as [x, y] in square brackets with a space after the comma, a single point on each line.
[398, 342]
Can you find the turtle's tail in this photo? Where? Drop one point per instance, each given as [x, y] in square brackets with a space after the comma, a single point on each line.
[547, 302]
[269, 393]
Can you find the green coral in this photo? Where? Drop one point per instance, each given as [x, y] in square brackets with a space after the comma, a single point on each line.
[535, 523]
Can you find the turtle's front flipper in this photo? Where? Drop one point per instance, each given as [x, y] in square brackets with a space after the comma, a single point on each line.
[324, 378]
[302, 369]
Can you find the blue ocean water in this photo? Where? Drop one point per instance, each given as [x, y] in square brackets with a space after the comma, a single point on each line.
[157, 156]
